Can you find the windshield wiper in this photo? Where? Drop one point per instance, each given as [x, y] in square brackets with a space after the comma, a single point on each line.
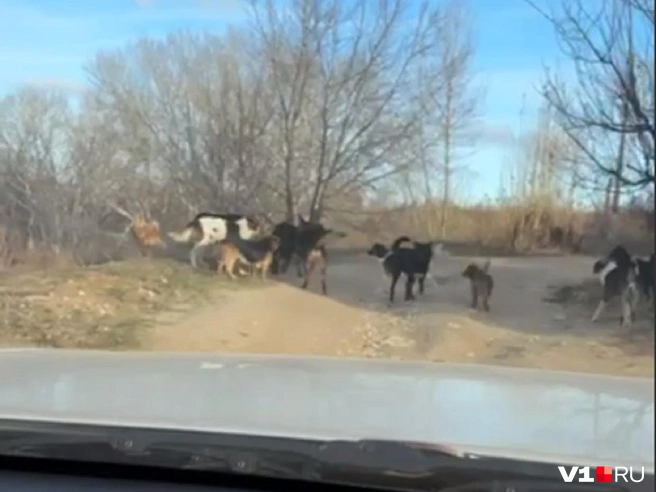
[388, 464]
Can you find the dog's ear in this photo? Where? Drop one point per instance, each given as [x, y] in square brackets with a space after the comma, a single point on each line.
[301, 220]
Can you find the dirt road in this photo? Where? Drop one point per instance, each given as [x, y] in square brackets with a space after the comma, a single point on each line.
[524, 328]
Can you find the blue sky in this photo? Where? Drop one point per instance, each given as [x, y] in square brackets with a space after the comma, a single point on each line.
[46, 42]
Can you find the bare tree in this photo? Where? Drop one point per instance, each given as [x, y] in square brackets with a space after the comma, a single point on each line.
[349, 91]
[192, 114]
[289, 57]
[609, 111]
[33, 136]
[460, 104]
[451, 99]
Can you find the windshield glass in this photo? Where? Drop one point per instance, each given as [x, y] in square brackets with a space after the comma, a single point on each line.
[449, 200]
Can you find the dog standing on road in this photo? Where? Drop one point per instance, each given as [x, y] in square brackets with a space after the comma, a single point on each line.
[396, 262]
[619, 277]
[422, 254]
[481, 283]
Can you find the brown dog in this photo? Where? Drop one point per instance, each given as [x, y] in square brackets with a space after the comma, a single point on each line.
[258, 253]
[481, 284]
[147, 234]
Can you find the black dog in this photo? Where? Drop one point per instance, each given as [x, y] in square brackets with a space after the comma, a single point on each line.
[395, 263]
[422, 253]
[287, 232]
[618, 274]
[306, 243]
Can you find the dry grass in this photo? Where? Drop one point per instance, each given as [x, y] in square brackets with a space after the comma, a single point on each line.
[488, 229]
[106, 306]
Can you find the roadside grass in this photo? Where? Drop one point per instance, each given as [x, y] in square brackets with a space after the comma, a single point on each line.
[101, 307]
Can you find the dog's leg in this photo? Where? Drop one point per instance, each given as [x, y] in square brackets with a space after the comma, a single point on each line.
[229, 270]
[474, 296]
[629, 305]
[409, 284]
[598, 311]
[206, 241]
[627, 314]
[279, 266]
[286, 262]
[245, 269]
[433, 279]
[301, 266]
[309, 268]
[485, 302]
[323, 270]
[395, 278]
[275, 264]
[193, 255]
[422, 279]
[264, 267]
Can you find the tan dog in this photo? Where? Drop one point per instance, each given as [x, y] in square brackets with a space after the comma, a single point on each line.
[258, 253]
[147, 234]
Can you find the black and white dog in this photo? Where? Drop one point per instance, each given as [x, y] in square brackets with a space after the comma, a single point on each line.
[207, 228]
[423, 253]
[620, 277]
[407, 257]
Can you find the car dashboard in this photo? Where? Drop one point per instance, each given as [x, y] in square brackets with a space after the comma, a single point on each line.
[45, 475]
[38, 475]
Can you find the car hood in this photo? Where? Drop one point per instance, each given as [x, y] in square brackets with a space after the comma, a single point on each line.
[540, 415]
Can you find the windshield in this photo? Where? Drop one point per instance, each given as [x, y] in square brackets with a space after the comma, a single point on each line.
[199, 200]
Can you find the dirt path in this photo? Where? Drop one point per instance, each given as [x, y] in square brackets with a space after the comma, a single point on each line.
[355, 320]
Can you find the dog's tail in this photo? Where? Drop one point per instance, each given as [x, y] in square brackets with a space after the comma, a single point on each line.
[184, 236]
[438, 249]
[398, 242]
[486, 266]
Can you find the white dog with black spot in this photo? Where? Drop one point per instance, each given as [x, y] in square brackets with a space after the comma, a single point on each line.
[207, 228]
